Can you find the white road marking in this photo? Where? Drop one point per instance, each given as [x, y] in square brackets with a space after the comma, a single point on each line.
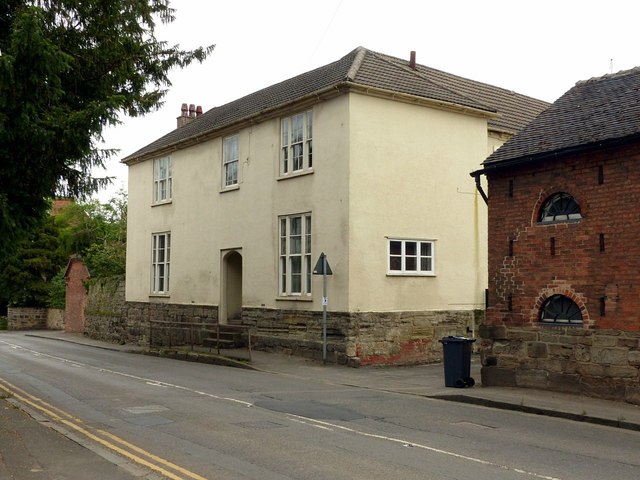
[331, 427]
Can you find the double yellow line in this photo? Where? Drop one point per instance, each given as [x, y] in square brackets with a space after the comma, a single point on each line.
[102, 437]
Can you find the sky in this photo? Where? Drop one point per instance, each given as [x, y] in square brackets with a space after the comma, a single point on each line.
[540, 48]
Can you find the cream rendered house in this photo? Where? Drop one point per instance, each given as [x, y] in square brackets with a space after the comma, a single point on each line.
[366, 159]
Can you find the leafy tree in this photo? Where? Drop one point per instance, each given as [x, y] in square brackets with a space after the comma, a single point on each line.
[57, 290]
[68, 68]
[34, 274]
[98, 232]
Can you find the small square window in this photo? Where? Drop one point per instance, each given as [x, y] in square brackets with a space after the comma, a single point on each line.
[410, 257]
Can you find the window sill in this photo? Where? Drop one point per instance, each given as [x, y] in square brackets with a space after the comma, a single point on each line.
[294, 298]
[410, 274]
[561, 324]
[164, 202]
[230, 188]
[298, 173]
[159, 295]
[560, 222]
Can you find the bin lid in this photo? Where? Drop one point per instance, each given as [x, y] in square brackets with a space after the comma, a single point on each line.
[456, 339]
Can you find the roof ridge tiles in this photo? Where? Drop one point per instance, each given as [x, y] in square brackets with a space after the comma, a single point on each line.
[360, 66]
[357, 62]
[595, 112]
[398, 62]
[610, 76]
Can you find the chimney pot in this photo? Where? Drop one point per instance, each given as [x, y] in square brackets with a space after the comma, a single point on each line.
[198, 110]
[412, 60]
[184, 110]
[192, 110]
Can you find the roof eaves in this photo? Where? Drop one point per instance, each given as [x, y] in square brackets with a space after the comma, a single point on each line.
[329, 91]
[417, 99]
[555, 154]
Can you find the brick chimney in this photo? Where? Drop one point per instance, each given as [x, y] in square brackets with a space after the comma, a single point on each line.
[183, 119]
[412, 60]
[188, 113]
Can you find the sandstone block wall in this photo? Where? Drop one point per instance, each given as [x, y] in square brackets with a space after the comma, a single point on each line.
[26, 318]
[598, 363]
[106, 313]
[55, 319]
[361, 338]
[358, 338]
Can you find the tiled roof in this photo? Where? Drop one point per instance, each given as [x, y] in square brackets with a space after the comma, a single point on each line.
[368, 69]
[594, 111]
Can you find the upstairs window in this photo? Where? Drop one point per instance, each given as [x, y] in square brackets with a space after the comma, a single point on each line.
[162, 180]
[230, 161]
[296, 153]
[559, 309]
[411, 257]
[560, 207]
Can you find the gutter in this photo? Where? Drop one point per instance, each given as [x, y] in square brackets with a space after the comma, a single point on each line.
[311, 98]
[553, 155]
[482, 193]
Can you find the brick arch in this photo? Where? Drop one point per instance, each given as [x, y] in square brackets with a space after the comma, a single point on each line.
[578, 298]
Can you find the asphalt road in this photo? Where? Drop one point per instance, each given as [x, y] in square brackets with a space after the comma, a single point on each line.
[193, 421]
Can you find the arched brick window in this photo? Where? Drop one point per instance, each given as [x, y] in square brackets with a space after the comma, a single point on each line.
[559, 309]
[559, 207]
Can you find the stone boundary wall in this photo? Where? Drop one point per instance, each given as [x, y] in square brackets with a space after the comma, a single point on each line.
[139, 315]
[55, 319]
[106, 312]
[110, 318]
[26, 318]
[592, 362]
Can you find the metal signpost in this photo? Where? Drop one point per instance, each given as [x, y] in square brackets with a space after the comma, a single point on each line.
[322, 268]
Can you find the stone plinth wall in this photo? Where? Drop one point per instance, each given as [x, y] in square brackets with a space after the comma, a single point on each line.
[357, 338]
[298, 332]
[26, 318]
[55, 319]
[405, 338]
[360, 338]
[598, 363]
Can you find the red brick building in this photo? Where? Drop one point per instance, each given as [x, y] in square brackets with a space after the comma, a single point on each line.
[563, 305]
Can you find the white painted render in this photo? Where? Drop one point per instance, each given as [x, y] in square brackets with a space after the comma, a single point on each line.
[380, 168]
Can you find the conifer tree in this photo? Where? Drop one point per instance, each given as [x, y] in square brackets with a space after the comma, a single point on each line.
[68, 68]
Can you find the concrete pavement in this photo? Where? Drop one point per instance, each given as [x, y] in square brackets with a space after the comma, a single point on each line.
[423, 380]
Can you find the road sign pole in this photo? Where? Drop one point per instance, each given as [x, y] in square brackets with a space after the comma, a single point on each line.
[322, 268]
[324, 308]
